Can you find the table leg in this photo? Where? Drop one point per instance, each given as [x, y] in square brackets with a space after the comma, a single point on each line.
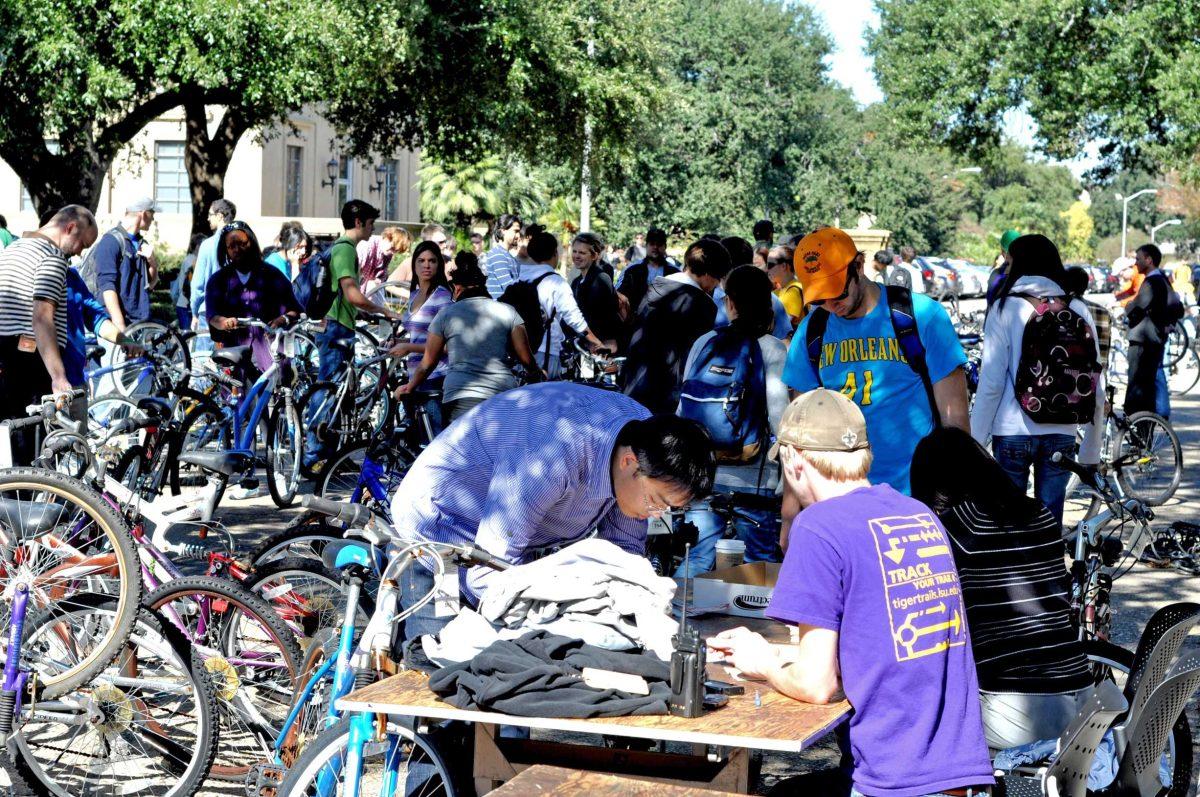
[491, 767]
[735, 776]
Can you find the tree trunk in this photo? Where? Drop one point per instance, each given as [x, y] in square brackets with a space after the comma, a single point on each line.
[206, 157]
[56, 179]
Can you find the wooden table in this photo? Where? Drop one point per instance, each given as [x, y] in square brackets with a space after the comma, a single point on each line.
[543, 780]
[779, 723]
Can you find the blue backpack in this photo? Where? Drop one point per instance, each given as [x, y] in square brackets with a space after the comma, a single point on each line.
[725, 391]
[313, 286]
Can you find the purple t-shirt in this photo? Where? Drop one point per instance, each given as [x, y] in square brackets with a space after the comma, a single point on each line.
[876, 567]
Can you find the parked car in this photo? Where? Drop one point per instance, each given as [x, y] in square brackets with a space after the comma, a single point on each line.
[972, 278]
[941, 281]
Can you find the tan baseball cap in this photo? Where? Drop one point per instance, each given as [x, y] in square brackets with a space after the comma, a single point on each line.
[821, 420]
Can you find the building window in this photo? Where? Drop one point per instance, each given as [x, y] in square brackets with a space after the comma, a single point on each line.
[26, 200]
[345, 181]
[391, 190]
[171, 191]
[293, 180]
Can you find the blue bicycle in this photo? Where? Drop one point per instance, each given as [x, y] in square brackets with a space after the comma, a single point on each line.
[224, 434]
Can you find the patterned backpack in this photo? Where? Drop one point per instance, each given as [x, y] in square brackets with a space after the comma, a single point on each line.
[1058, 371]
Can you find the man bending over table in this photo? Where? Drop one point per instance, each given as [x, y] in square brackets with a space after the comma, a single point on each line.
[869, 578]
[539, 467]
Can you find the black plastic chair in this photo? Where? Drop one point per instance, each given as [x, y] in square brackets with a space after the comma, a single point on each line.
[1147, 735]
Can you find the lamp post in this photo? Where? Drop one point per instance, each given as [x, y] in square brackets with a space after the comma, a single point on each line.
[1125, 212]
[585, 176]
[1168, 223]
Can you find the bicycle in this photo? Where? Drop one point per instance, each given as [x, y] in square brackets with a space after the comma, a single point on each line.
[363, 749]
[270, 399]
[1143, 451]
[596, 370]
[1103, 552]
[164, 354]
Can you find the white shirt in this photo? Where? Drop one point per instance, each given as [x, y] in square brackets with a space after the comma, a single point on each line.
[556, 299]
[996, 410]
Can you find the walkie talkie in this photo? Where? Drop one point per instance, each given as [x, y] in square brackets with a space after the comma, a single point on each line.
[688, 669]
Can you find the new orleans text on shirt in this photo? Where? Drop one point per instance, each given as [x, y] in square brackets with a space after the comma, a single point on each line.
[857, 350]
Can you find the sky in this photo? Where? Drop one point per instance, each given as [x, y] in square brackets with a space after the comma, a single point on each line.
[847, 21]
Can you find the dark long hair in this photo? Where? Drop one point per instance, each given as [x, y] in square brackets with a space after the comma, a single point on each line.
[749, 289]
[439, 275]
[1033, 256]
[238, 226]
[950, 467]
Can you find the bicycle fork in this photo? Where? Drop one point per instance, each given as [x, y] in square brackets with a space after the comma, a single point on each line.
[14, 677]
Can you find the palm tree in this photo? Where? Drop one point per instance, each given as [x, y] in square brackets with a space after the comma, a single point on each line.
[467, 192]
[562, 218]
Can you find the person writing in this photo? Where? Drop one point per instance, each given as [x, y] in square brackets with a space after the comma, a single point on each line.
[881, 619]
[474, 335]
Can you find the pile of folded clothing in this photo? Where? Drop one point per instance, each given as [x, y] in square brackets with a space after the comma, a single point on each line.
[545, 675]
[592, 591]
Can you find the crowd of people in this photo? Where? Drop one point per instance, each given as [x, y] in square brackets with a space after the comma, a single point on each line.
[835, 404]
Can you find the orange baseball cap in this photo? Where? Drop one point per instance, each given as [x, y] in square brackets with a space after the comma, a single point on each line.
[821, 261]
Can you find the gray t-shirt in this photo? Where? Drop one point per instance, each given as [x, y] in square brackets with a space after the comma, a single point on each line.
[476, 331]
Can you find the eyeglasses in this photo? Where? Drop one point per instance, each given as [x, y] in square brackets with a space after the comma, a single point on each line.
[653, 508]
[772, 262]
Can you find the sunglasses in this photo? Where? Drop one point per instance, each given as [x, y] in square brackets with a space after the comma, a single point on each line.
[850, 277]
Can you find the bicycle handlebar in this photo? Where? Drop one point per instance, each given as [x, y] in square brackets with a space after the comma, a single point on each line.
[351, 514]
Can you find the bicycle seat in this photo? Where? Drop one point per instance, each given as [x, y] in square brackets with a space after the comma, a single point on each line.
[30, 519]
[231, 356]
[969, 338]
[226, 463]
[94, 352]
[345, 344]
[155, 407]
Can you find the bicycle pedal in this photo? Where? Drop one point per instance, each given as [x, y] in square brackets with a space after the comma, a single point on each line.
[249, 483]
[264, 780]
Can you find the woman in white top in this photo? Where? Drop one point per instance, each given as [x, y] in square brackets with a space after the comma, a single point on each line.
[1018, 442]
[748, 303]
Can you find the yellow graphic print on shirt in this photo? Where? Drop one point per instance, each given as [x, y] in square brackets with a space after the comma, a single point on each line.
[920, 585]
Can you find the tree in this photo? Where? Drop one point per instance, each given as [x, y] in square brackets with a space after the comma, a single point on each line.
[1080, 231]
[1125, 75]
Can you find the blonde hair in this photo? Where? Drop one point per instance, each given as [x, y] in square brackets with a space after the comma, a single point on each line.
[839, 466]
[401, 239]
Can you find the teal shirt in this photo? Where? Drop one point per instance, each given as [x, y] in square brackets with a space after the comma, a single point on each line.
[861, 359]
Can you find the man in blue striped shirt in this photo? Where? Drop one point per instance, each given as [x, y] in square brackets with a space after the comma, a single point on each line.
[542, 466]
[499, 263]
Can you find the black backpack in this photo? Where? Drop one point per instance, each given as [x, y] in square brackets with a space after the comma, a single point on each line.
[313, 287]
[899, 276]
[88, 270]
[523, 297]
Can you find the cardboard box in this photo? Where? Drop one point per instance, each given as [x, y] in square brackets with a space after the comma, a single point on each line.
[743, 591]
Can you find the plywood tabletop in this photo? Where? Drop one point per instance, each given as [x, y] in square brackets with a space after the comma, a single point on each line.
[779, 723]
[544, 780]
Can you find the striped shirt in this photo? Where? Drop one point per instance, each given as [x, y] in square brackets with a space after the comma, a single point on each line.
[30, 269]
[1017, 593]
[526, 470]
[502, 269]
[417, 326]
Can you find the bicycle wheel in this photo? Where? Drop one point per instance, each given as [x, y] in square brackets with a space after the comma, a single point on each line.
[140, 377]
[334, 424]
[69, 546]
[204, 428]
[310, 720]
[412, 754]
[1184, 374]
[1155, 459]
[284, 452]
[1112, 663]
[1118, 366]
[249, 653]
[306, 595]
[339, 480]
[157, 730]
[305, 537]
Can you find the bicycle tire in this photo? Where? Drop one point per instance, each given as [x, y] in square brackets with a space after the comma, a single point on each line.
[207, 412]
[114, 539]
[300, 780]
[1112, 659]
[176, 350]
[284, 425]
[1184, 374]
[340, 474]
[1177, 345]
[304, 582]
[1137, 424]
[337, 429]
[304, 537]
[185, 765]
[310, 720]
[246, 734]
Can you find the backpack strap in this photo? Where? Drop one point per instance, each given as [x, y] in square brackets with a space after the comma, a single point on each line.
[904, 323]
[814, 338]
[545, 323]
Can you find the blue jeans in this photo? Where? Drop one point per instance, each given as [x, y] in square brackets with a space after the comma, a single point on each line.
[333, 359]
[1162, 394]
[1017, 453]
[184, 314]
[759, 529]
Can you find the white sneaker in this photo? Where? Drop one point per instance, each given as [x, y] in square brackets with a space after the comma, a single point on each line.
[243, 493]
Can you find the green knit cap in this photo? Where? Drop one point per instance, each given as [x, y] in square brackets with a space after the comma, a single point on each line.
[1007, 238]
